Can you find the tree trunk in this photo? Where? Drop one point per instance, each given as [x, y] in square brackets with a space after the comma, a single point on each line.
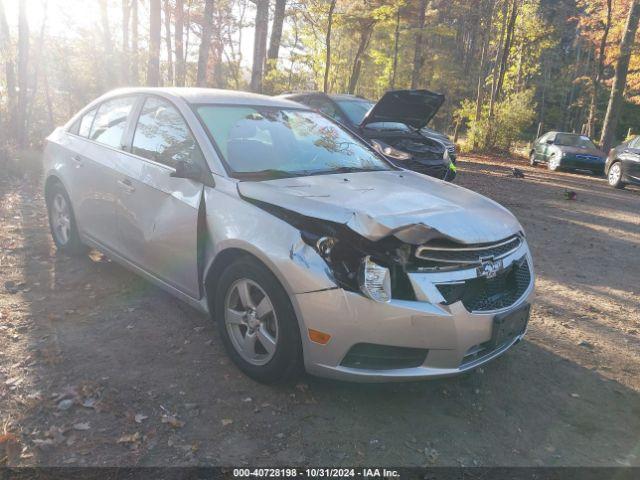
[125, 67]
[596, 78]
[327, 62]
[40, 62]
[496, 64]
[205, 44]
[107, 43]
[396, 37]
[276, 36]
[155, 37]
[23, 72]
[179, 42]
[167, 32]
[483, 61]
[7, 53]
[365, 36]
[418, 57]
[259, 44]
[507, 49]
[135, 67]
[620, 79]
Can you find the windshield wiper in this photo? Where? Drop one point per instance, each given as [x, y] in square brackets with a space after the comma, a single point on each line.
[346, 170]
[268, 174]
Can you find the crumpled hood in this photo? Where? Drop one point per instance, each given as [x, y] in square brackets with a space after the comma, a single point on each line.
[413, 207]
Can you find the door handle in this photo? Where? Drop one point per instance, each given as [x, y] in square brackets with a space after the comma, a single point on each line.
[77, 159]
[126, 185]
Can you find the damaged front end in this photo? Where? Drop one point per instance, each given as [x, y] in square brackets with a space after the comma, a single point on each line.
[376, 269]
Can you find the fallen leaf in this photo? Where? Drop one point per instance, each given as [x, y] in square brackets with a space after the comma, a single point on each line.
[139, 418]
[226, 422]
[172, 420]
[81, 426]
[132, 438]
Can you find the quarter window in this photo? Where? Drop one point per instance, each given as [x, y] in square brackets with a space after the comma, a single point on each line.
[85, 123]
[163, 136]
[111, 121]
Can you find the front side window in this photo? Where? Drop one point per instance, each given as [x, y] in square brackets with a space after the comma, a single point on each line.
[269, 142]
[111, 121]
[162, 135]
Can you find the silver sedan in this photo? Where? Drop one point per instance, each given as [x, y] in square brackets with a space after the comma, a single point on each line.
[308, 249]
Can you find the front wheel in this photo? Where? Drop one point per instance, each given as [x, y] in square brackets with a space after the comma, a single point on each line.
[62, 222]
[554, 163]
[532, 159]
[257, 323]
[615, 176]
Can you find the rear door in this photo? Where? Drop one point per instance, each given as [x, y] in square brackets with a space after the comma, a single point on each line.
[547, 147]
[539, 145]
[97, 148]
[158, 214]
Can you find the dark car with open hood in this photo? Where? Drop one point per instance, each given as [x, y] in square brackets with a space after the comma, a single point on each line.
[396, 126]
[568, 151]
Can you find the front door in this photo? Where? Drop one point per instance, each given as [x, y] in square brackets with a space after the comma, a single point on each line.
[631, 160]
[158, 214]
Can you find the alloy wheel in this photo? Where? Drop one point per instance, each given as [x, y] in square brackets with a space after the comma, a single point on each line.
[61, 218]
[614, 174]
[251, 321]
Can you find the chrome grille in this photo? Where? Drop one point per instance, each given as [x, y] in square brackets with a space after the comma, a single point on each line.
[456, 254]
[485, 295]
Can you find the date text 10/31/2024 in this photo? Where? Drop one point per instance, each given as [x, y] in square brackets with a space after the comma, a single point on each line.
[315, 473]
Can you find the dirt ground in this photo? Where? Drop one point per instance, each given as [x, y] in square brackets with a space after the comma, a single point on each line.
[98, 367]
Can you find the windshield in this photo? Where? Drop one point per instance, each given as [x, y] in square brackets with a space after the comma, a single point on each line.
[355, 110]
[569, 140]
[266, 142]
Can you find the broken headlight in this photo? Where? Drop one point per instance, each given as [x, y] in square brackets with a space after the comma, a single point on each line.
[389, 151]
[375, 280]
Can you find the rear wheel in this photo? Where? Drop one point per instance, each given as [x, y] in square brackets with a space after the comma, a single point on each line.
[257, 323]
[615, 176]
[62, 222]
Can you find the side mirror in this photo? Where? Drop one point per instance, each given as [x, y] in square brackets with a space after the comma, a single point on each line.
[549, 142]
[187, 170]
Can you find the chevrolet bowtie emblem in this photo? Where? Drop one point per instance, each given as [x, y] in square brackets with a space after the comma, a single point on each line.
[489, 268]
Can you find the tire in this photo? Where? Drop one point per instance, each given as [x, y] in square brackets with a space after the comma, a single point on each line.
[553, 164]
[532, 159]
[265, 346]
[62, 222]
[614, 176]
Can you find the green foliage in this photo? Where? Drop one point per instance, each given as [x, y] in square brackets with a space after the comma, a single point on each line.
[511, 118]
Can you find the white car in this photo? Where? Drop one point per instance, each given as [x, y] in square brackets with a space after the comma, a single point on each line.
[306, 246]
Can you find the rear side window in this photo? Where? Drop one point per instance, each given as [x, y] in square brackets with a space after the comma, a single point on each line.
[111, 121]
[163, 136]
[85, 122]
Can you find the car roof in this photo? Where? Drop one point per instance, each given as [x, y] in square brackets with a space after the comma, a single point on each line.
[333, 96]
[207, 95]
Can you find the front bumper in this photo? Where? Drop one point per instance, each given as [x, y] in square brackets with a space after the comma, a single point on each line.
[453, 336]
[583, 163]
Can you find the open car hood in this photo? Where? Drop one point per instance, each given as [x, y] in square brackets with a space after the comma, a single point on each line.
[415, 108]
[410, 206]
